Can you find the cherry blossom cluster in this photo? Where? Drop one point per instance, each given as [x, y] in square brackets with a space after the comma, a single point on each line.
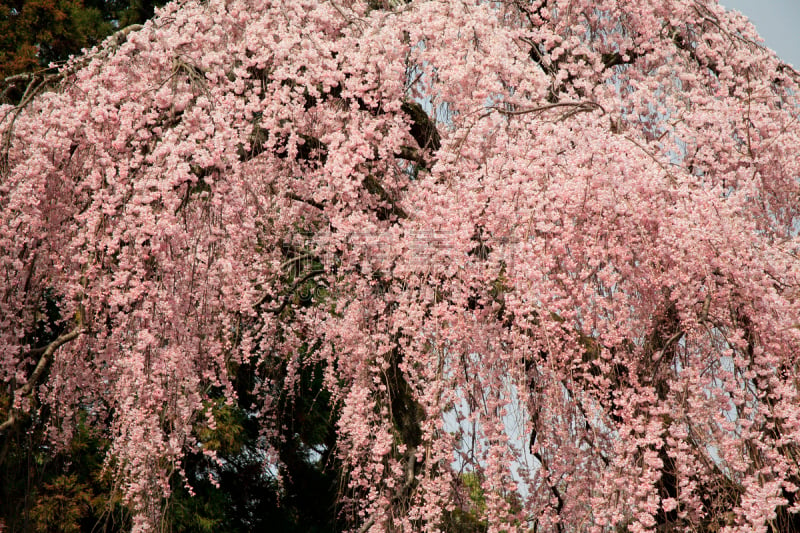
[550, 242]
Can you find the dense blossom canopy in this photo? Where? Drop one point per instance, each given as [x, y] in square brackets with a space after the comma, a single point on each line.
[549, 242]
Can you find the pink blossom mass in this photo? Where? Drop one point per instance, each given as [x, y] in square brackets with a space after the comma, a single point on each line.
[550, 242]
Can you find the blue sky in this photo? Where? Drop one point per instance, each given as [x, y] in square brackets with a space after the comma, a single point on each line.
[778, 23]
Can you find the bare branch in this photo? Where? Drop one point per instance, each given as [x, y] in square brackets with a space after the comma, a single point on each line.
[312, 203]
[278, 310]
[368, 524]
[577, 107]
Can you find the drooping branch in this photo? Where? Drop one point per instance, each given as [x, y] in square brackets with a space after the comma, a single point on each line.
[407, 415]
[312, 203]
[48, 77]
[559, 506]
[541, 55]
[682, 44]
[34, 83]
[313, 149]
[44, 361]
[409, 153]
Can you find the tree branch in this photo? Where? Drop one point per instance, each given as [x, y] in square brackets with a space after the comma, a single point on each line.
[423, 129]
[368, 524]
[50, 74]
[36, 82]
[410, 153]
[576, 107]
[372, 185]
[44, 361]
[312, 203]
[286, 299]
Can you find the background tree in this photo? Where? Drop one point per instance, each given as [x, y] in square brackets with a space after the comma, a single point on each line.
[36, 33]
[527, 265]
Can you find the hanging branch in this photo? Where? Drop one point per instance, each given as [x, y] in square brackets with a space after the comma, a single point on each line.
[44, 360]
[37, 82]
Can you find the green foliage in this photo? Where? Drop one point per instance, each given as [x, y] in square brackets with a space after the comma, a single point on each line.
[226, 435]
[469, 517]
[70, 490]
[63, 504]
[306, 451]
[43, 490]
[242, 491]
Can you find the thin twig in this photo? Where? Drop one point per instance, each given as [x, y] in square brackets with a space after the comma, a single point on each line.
[653, 157]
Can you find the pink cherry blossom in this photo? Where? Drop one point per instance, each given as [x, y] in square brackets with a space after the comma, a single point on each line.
[562, 234]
